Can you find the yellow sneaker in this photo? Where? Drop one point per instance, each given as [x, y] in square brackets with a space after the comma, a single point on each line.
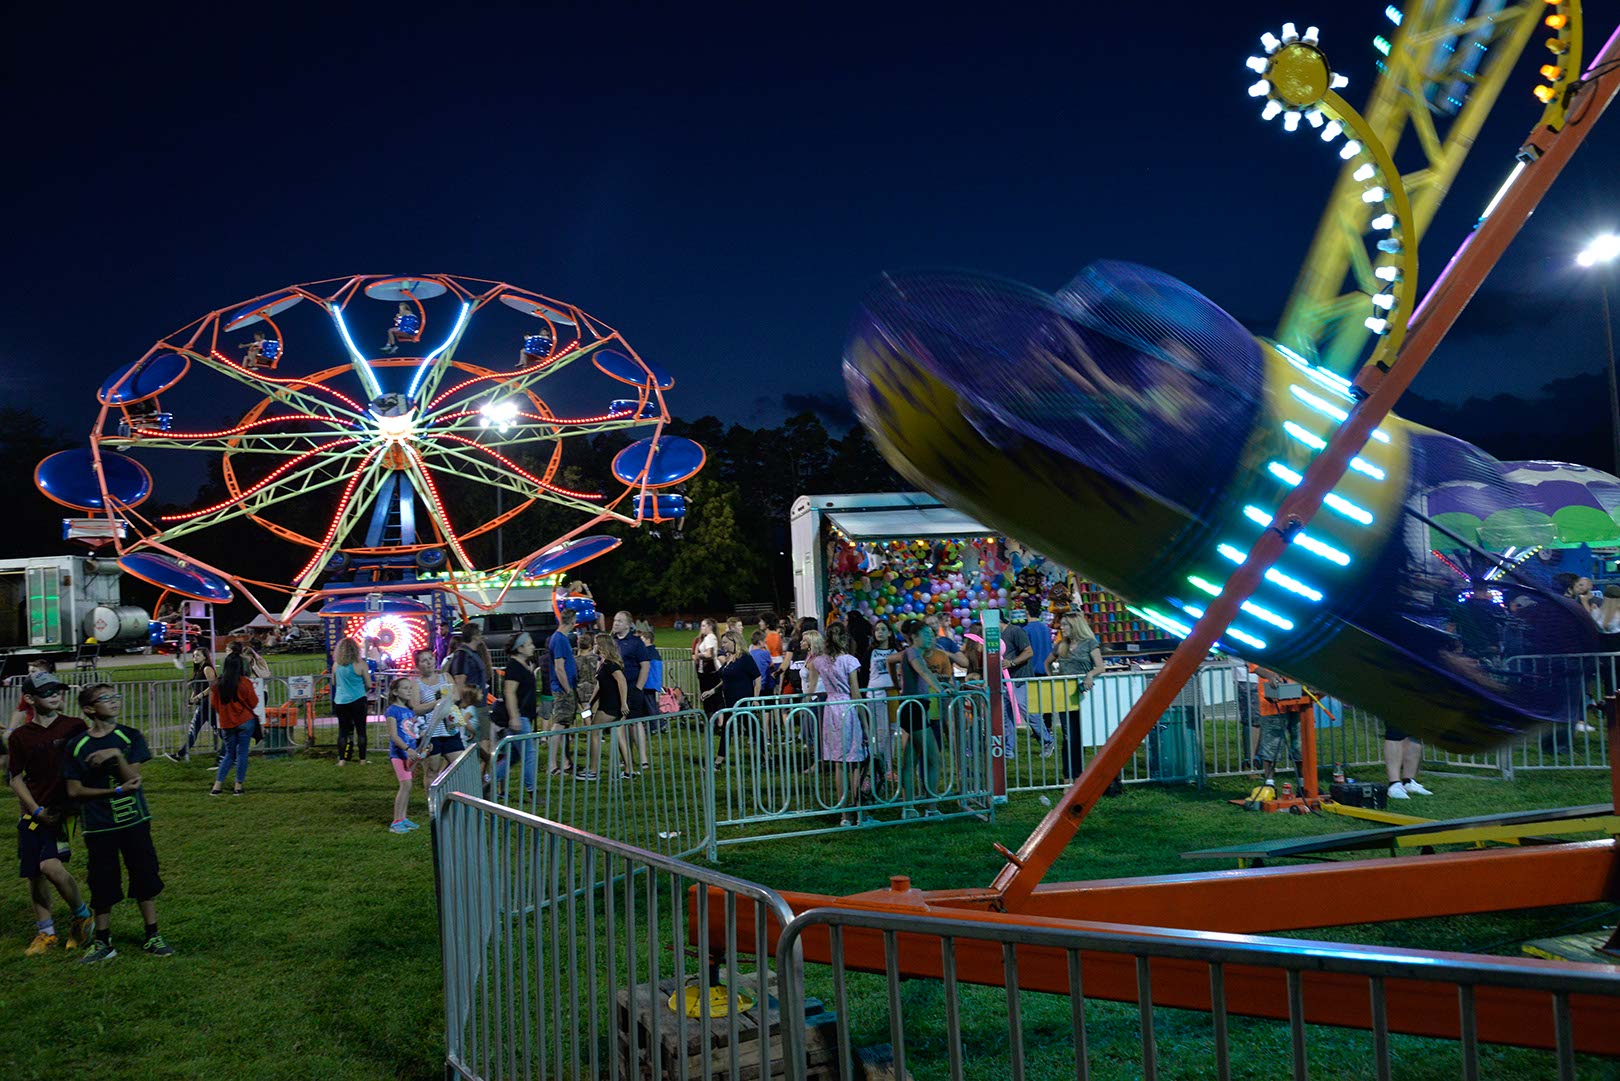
[42, 942]
[80, 932]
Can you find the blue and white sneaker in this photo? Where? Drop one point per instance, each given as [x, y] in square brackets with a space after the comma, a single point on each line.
[399, 827]
[408, 824]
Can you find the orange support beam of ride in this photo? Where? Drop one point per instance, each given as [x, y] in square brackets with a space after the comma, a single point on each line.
[1434, 317]
[1506, 1015]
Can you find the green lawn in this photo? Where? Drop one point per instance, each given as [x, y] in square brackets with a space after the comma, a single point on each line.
[306, 934]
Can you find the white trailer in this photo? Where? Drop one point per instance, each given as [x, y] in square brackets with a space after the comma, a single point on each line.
[51, 604]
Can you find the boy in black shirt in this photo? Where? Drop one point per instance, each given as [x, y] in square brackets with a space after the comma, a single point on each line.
[103, 771]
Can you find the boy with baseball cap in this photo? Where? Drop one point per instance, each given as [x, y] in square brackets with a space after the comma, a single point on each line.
[103, 772]
[36, 752]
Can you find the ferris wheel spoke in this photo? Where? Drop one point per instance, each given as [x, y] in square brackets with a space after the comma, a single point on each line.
[423, 478]
[287, 444]
[477, 463]
[499, 385]
[359, 494]
[328, 466]
[291, 392]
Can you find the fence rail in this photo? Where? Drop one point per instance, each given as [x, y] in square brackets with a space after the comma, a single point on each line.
[568, 954]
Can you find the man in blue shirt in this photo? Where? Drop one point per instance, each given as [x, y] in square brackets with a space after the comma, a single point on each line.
[564, 689]
[1040, 650]
[634, 652]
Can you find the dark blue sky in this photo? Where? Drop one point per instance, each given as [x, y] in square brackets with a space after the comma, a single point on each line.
[720, 184]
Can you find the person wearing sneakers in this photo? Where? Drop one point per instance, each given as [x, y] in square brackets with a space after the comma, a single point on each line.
[35, 752]
[1402, 756]
[1283, 704]
[234, 701]
[103, 772]
[405, 748]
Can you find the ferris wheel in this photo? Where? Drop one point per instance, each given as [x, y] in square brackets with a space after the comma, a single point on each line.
[353, 452]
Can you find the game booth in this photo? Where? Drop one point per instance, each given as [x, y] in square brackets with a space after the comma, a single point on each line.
[895, 555]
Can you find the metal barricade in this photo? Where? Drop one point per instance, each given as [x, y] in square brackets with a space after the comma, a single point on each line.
[662, 806]
[1057, 727]
[785, 765]
[564, 952]
[955, 1027]
[680, 671]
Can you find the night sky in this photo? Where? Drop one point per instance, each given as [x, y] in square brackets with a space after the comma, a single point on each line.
[721, 185]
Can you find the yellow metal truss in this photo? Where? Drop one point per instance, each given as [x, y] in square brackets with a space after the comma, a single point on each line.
[1433, 93]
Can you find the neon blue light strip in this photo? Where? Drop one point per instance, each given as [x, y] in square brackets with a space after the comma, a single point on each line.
[427, 361]
[1329, 410]
[1164, 623]
[1232, 632]
[1310, 544]
[1265, 614]
[1273, 575]
[1310, 440]
[1315, 442]
[1362, 466]
[1332, 499]
[367, 376]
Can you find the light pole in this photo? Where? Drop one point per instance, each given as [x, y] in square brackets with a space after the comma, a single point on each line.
[1602, 250]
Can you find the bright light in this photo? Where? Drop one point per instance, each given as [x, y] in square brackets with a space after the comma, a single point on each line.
[1274, 576]
[1283, 473]
[1265, 614]
[1375, 324]
[1384, 221]
[1349, 150]
[399, 636]
[501, 414]
[1270, 42]
[1387, 273]
[1367, 468]
[1332, 499]
[427, 361]
[1330, 410]
[1331, 132]
[1506, 184]
[1385, 301]
[1601, 250]
[1314, 118]
[1163, 622]
[1373, 194]
[1393, 13]
[1309, 439]
[1272, 109]
[1347, 508]
[1309, 543]
[395, 429]
[1338, 82]
[1364, 173]
[1289, 33]
[1381, 43]
[1257, 64]
[1389, 246]
[1245, 638]
[373, 388]
[1290, 121]
[1312, 35]
[1260, 89]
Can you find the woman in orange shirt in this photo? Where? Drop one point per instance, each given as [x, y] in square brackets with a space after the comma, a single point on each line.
[234, 703]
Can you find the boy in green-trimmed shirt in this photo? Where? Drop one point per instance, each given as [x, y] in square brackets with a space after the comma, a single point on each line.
[103, 772]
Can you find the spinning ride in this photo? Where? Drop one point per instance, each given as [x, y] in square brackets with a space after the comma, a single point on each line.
[359, 461]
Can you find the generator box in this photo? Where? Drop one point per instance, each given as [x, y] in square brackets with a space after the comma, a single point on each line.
[1360, 794]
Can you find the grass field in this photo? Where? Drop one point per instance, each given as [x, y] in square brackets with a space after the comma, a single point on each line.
[307, 946]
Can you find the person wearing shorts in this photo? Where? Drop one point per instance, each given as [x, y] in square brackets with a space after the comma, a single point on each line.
[563, 679]
[102, 771]
[36, 752]
[1402, 757]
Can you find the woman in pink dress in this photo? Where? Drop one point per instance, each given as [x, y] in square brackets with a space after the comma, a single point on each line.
[836, 671]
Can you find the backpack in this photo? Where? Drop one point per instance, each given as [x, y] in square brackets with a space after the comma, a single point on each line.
[671, 700]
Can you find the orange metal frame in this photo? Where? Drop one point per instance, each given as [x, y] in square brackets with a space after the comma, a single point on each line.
[1287, 898]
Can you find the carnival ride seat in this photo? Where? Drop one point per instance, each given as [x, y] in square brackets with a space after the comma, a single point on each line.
[262, 355]
[408, 328]
[134, 420]
[536, 347]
